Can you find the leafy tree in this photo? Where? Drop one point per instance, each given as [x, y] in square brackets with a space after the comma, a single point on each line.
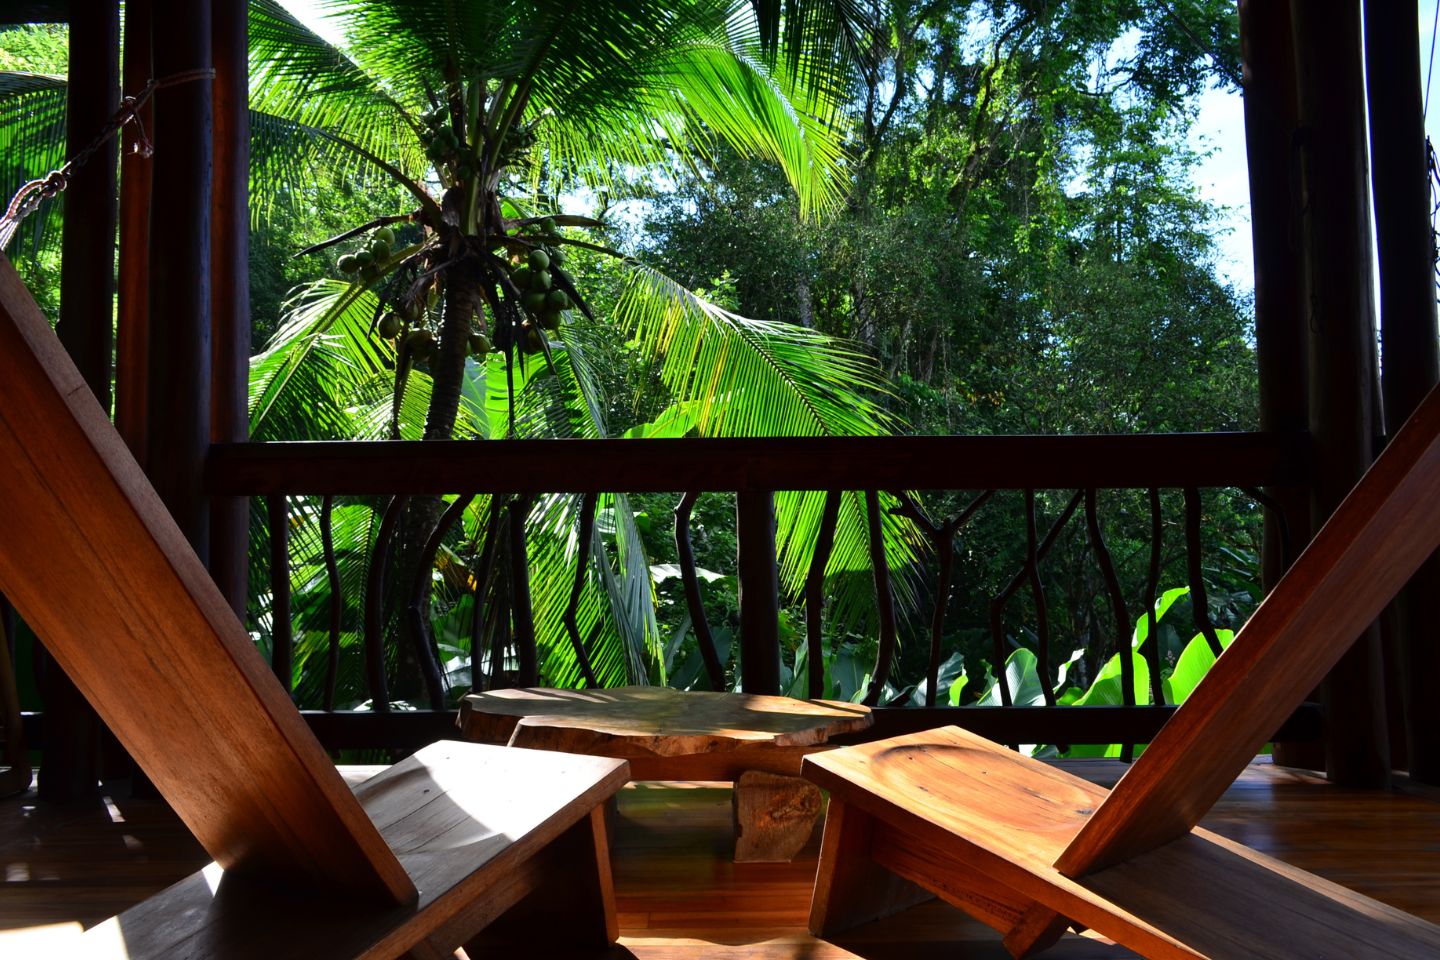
[1022, 251]
[479, 123]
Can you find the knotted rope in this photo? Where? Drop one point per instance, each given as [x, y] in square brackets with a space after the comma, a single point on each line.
[31, 195]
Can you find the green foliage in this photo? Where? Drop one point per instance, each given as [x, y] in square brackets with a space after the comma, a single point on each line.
[1180, 676]
[35, 48]
[959, 217]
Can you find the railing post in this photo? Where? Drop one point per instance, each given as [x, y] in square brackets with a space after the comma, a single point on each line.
[759, 592]
[282, 636]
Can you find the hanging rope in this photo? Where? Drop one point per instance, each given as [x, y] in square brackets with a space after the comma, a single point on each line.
[31, 195]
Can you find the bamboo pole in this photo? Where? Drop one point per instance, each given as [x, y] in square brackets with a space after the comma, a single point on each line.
[133, 305]
[178, 400]
[1405, 251]
[230, 289]
[1335, 235]
[71, 740]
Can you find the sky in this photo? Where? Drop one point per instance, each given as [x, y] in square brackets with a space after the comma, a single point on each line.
[1219, 132]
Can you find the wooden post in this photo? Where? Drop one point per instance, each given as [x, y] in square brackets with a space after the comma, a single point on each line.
[133, 306]
[71, 740]
[759, 592]
[1401, 191]
[1335, 234]
[1267, 53]
[1268, 57]
[230, 289]
[178, 400]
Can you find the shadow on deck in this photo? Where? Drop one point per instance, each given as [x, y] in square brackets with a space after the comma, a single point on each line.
[680, 896]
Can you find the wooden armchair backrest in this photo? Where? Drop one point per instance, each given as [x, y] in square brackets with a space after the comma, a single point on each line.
[92, 560]
[1366, 552]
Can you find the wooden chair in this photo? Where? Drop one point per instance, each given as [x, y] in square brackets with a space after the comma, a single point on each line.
[1031, 850]
[415, 862]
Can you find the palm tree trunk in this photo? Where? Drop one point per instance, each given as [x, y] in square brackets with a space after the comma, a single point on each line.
[447, 370]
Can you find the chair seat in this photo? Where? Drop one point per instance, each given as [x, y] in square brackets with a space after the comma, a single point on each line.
[981, 826]
[473, 826]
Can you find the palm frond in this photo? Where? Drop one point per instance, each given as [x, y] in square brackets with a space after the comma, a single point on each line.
[670, 102]
[739, 377]
[296, 75]
[326, 312]
[32, 143]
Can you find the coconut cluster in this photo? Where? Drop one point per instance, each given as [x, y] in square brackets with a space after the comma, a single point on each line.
[542, 284]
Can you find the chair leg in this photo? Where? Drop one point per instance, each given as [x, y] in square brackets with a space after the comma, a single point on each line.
[571, 908]
[850, 887]
[1038, 928]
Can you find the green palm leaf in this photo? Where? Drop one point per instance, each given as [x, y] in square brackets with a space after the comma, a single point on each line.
[738, 377]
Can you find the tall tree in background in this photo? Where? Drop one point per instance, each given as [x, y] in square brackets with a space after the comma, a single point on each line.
[1023, 251]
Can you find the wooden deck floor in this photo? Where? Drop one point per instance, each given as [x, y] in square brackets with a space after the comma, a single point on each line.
[680, 896]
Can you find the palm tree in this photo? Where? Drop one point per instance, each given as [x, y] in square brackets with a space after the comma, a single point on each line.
[456, 315]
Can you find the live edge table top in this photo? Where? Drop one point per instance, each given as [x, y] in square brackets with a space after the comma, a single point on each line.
[666, 734]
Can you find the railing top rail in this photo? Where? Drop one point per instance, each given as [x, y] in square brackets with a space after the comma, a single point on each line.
[769, 463]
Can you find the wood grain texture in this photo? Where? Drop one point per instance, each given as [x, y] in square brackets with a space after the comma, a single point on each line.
[1360, 559]
[652, 721]
[148, 638]
[679, 896]
[851, 888]
[774, 816]
[958, 811]
[471, 850]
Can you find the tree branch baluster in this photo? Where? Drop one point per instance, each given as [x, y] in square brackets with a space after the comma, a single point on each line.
[418, 608]
[815, 595]
[1151, 646]
[522, 613]
[997, 605]
[884, 600]
[484, 571]
[375, 606]
[1269, 503]
[942, 540]
[694, 602]
[1199, 599]
[582, 563]
[337, 600]
[282, 636]
[1118, 608]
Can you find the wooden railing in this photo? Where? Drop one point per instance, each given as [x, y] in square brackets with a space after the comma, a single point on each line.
[393, 472]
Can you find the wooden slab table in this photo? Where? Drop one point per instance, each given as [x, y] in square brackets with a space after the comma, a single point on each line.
[756, 742]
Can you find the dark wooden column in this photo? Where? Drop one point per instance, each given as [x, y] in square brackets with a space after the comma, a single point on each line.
[133, 304]
[1401, 191]
[230, 289]
[759, 592]
[1267, 53]
[1281, 340]
[1335, 234]
[178, 397]
[71, 741]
